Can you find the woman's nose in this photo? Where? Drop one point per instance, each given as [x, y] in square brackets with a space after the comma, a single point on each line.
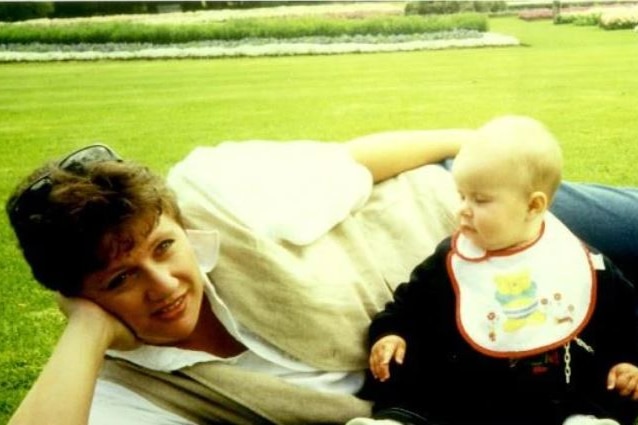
[161, 283]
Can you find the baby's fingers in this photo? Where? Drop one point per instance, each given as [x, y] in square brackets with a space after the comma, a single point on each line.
[380, 362]
[623, 378]
[628, 386]
[399, 354]
[383, 352]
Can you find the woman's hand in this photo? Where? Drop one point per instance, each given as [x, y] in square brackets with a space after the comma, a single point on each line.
[80, 310]
[388, 348]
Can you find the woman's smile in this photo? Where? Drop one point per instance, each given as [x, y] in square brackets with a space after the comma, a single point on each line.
[173, 310]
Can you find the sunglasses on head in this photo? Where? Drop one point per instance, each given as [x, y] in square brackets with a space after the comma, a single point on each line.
[75, 163]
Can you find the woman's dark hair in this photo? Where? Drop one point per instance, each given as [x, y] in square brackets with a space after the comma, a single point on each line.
[75, 223]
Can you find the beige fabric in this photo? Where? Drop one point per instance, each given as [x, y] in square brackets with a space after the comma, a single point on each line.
[315, 302]
[179, 394]
[209, 393]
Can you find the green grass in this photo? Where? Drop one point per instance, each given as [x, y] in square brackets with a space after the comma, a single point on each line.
[579, 80]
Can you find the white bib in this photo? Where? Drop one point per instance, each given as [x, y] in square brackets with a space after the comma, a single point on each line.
[523, 302]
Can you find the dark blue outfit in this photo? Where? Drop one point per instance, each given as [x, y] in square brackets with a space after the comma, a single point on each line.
[457, 387]
[444, 380]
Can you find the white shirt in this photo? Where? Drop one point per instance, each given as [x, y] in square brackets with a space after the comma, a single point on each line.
[315, 167]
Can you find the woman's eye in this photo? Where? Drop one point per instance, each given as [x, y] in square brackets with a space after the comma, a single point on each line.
[165, 245]
[117, 281]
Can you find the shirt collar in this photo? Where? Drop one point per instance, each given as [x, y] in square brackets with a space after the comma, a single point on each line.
[205, 243]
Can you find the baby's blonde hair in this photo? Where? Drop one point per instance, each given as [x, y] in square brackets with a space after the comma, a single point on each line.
[534, 151]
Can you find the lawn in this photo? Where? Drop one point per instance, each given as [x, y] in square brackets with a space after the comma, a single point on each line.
[581, 81]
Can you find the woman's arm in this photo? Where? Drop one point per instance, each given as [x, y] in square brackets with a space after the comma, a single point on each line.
[63, 392]
[390, 153]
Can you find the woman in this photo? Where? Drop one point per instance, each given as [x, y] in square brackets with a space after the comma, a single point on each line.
[270, 327]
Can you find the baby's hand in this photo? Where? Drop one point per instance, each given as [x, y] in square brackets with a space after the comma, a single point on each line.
[391, 347]
[624, 378]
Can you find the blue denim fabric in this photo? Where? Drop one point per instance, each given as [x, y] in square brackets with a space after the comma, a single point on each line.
[606, 218]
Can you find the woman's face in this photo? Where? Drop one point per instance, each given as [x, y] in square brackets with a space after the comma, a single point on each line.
[156, 288]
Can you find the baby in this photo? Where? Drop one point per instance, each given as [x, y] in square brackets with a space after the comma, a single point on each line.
[513, 320]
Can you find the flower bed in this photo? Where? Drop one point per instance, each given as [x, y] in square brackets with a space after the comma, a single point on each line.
[309, 46]
[610, 17]
[278, 31]
[536, 14]
[351, 10]
[620, 18]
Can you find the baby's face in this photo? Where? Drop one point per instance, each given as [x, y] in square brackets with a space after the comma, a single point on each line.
[494, 203]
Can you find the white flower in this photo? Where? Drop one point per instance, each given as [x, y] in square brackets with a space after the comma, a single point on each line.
[273, 49]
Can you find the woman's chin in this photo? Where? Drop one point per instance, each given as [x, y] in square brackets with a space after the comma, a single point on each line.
[174, 334]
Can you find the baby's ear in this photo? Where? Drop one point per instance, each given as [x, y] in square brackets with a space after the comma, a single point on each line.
[537, 204]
